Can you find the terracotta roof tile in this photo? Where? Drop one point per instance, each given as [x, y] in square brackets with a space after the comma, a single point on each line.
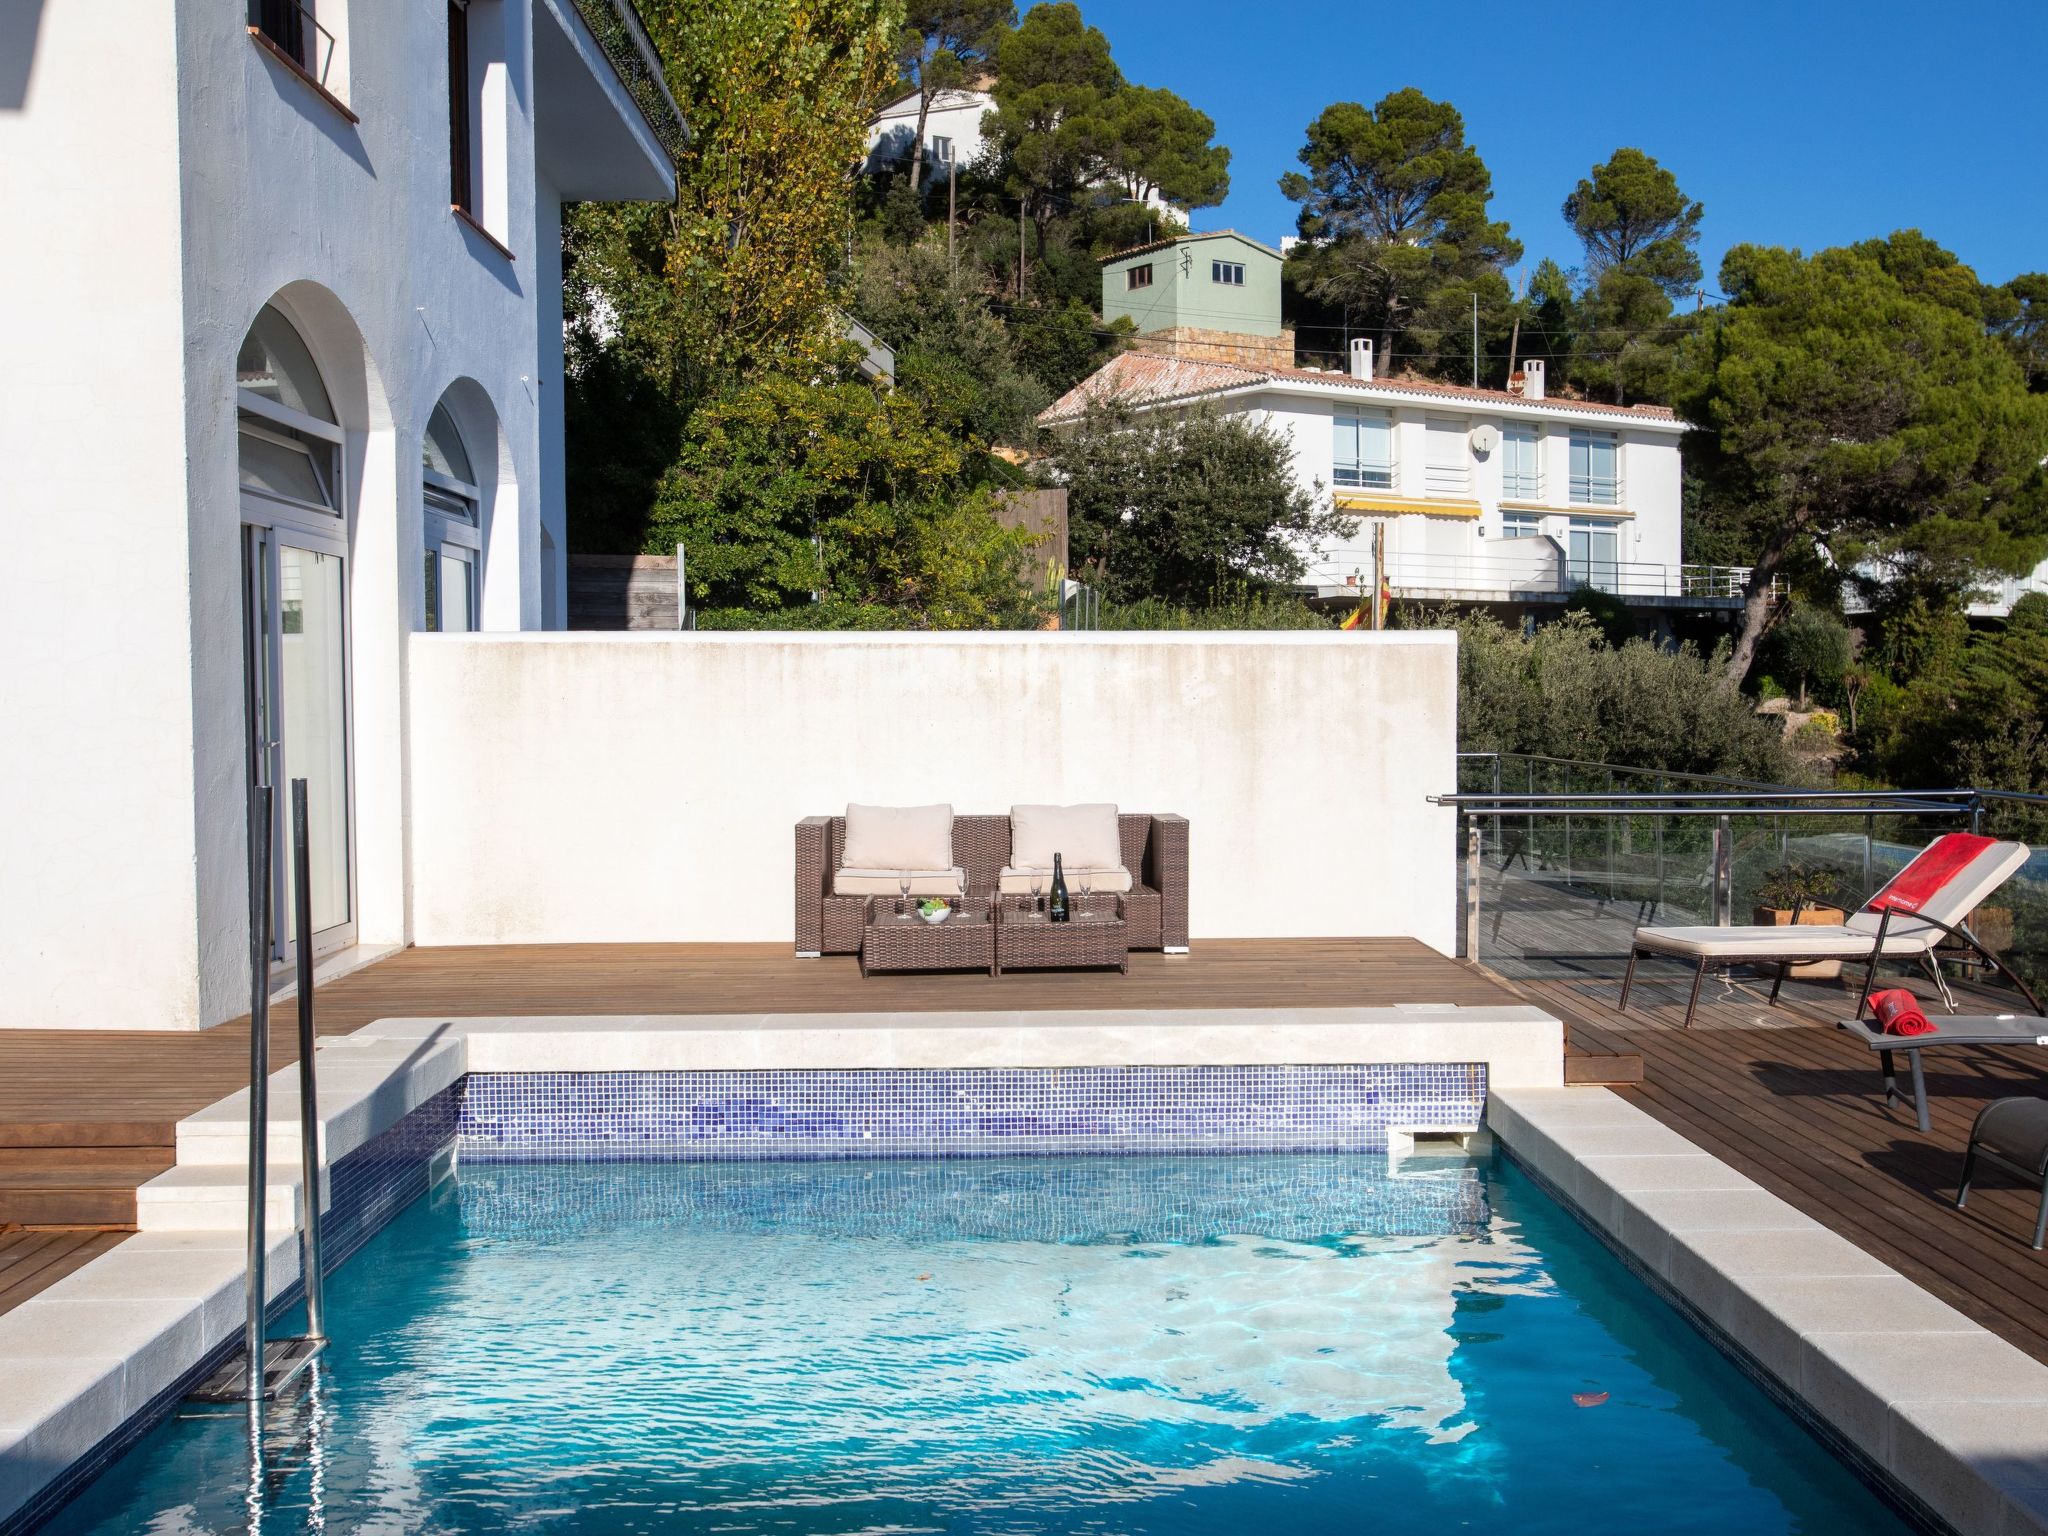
[1142, 378]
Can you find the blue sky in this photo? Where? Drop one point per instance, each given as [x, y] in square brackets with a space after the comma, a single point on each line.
[1795, 123]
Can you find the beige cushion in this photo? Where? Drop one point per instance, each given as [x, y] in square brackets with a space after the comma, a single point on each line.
[1083, 835]
[1017, 882]
[898, 837]
[1807, 941]
[887, 882]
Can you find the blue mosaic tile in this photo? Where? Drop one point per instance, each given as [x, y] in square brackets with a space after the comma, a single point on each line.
[960, 1112]
[1126, 1200]
[385, 1174]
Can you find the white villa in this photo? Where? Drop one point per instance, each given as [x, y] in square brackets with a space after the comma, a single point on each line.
[294, 360]
[1502, 497]
[952, 131]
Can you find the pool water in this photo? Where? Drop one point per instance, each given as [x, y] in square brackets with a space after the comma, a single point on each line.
[1220, 1344]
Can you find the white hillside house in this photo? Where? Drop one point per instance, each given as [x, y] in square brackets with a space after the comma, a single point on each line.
[1508, 498]
[289, 394]
[952, 130]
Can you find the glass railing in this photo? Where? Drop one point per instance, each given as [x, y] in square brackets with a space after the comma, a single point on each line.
[1559, 860]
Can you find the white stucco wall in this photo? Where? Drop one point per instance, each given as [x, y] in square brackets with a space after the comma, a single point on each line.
[97, 904]
[163, 180]
[587, 788]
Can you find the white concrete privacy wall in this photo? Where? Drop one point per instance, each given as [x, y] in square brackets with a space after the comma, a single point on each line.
[645, 787]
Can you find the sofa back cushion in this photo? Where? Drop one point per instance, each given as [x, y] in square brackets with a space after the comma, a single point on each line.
[1085, 836]
[898, 837]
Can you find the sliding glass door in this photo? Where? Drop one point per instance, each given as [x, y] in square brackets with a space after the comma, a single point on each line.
[295, 622]
[298, 708]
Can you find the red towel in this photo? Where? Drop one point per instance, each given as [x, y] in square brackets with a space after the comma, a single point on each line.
[1920, 881]
[1898, 1013]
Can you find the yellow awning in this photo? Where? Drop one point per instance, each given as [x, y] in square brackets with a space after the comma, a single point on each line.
[1370, 502]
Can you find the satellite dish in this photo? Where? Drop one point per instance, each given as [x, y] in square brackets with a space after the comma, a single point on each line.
[1485, 438]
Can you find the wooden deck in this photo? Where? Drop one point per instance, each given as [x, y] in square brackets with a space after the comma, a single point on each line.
[86, 1117]
[1791, 1101]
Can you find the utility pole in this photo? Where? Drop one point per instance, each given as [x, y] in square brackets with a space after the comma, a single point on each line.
[1475, 338]
[952, 209]
[1515, 336]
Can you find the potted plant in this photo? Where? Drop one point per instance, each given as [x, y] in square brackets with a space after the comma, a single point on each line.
[1809, 892]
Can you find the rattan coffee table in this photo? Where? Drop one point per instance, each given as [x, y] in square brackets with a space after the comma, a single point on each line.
[902, 941]
[1096, 935]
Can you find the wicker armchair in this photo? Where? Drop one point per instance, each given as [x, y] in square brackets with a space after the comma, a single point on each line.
[1155, 851]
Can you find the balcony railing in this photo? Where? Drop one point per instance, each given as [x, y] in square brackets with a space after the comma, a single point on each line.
[1532, 567]
[616, 27]
[1559, 860]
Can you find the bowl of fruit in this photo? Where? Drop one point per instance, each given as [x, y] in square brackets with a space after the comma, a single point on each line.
[935, 909]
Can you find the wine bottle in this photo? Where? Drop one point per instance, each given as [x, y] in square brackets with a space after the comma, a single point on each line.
[1057, 913]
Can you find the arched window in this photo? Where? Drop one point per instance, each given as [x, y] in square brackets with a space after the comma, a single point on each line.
[452, 526]
[288, 435]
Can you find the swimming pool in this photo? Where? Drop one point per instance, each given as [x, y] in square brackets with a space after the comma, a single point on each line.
[1130, 1344]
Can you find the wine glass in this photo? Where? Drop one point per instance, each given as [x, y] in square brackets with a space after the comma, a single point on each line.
[960, 900]
[903, 892]
[1037, 885]
[1087, 879]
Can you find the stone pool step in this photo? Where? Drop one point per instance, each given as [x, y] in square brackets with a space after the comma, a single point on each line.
[203, 1197]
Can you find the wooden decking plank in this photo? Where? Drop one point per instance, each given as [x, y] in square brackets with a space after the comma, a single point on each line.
[1832, 1149]
[31, 1262]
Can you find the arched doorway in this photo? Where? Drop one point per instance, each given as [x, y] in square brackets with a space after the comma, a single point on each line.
[295, 617]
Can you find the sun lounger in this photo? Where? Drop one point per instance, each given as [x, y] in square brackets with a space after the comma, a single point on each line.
[2012, 1134]
[1959, 1030]
[1923, 905]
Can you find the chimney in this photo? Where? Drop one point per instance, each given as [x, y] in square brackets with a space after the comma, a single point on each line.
[1361, 359]
[1527, 381]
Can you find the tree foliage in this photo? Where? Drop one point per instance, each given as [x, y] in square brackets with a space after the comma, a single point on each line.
[1054, 79]
[1180, 507]
[1855, 398]
[1395, 223]
[953, 354]
[1632, 217]
[1564, 692]
[947, 45]
[736, 274]
[789, 488]
[1154, 144]
[1069, 131]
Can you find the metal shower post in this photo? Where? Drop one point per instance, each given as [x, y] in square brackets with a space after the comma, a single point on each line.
[259, 1074]
[309, 1103]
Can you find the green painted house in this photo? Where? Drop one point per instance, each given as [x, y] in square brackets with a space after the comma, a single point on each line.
[1218, 280]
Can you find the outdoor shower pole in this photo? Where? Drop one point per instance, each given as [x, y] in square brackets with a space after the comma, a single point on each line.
[259, 1072]
[309, 1102]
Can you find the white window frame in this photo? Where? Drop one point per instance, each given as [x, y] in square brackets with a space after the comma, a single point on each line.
[1521, 525]
[1450, 475]
[298, 426]
[1229, 273]
[1516, 483]
[1590, 489]
[1357, 472]
[1588, 569]
[454, 540]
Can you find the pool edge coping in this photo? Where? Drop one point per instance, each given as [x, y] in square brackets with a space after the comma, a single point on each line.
[1769, 1284]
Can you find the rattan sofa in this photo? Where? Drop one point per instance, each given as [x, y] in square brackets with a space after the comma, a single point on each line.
[1155, 851]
